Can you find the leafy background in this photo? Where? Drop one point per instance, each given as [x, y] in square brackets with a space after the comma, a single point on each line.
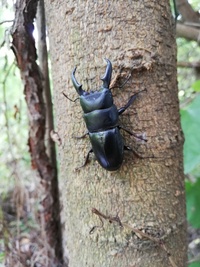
[16, 175]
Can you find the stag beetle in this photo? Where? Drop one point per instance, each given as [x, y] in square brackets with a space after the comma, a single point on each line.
[102, 120]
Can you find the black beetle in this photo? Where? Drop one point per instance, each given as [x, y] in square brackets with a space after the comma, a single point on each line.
[102, 120]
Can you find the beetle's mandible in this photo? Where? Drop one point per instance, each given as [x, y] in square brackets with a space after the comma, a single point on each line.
[102, 121]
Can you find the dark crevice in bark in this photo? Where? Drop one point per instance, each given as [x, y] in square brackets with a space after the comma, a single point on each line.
[23, 46]
[43, 63]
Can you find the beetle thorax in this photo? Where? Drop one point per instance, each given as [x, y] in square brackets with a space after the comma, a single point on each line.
[96, 100]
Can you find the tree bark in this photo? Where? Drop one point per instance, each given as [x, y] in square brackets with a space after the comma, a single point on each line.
[23, 46]
[105, 213]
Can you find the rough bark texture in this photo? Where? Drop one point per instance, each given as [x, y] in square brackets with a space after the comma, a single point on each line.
[145, 193]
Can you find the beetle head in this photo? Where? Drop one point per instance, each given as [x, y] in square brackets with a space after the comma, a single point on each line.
[95, 100]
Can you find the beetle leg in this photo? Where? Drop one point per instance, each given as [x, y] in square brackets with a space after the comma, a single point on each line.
[134, 152]
[82, 136]
[86, 160]
[141, 137]
[107, 76]
[128, 148]
[116, 78]
[131, 100]
[70, 98]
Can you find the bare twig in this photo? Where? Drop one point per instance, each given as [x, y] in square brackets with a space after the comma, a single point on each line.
[6, 21]
[109, 218]
[6, 108]
[182, 64]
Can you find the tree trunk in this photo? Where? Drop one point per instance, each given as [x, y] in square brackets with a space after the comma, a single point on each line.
[134, 216]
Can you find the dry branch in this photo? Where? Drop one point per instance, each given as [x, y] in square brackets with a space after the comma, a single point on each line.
[23, 46]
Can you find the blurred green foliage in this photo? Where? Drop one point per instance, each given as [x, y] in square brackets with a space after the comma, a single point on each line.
[187, 52]
[195, 264]
[191, 126]
[189, 87]
[14, 156]
[193, 200]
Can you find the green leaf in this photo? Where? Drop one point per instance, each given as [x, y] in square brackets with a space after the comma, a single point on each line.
[195, 264]
[193, 203]
[190, 120]
[196, 86]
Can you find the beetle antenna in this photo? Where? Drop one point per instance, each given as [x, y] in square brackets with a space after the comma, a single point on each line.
[77, 85]
[107, 76]
[70, 98]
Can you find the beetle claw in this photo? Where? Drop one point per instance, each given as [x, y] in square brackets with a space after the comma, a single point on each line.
[86, 160]
[107, 76]
[77, 85]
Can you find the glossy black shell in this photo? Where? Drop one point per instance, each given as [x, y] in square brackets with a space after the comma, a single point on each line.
[101, 117]
[108, 147]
